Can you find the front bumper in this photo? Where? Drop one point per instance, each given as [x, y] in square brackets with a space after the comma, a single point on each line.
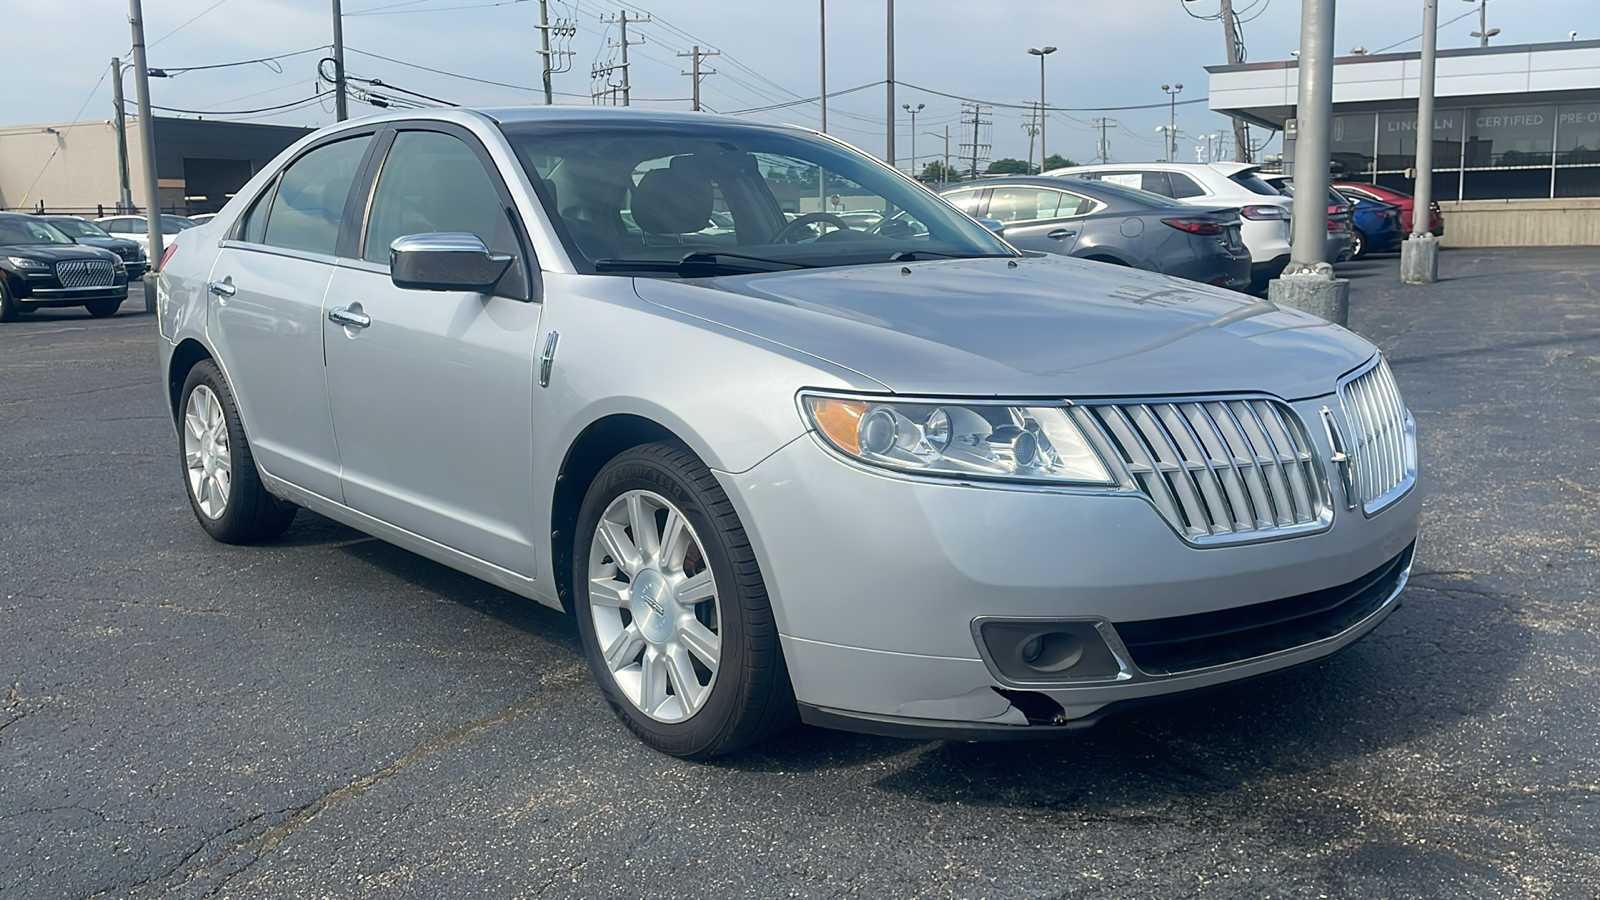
[876, 582]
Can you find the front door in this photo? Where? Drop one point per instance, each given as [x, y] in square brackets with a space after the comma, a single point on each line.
[433, 399]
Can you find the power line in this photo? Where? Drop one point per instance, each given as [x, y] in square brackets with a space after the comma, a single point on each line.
[1053, 108]
[75, 117]
[831, 95]
[402, 12]
[1417, 36]
[179, 70]
[228, 112]
[185, 24]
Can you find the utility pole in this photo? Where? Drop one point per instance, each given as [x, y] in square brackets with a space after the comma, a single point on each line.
[888, 152]
[1031, 128]
[944, 176]
[1105, 145]
[621, 20]
[125, 197]
[544, 50]
[341, 110]
[1419, 255]
[973, 115]
[147, 138]
[698, 73]
[1308, 283]
[822, 60]
[1235, 56]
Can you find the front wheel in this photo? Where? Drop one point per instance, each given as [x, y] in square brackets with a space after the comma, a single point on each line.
[1358, 245]
[225, 490]
[9, 308]
[103, 309]
[672, 609]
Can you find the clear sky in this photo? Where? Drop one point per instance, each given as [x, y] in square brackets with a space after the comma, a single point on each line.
[1112, 53]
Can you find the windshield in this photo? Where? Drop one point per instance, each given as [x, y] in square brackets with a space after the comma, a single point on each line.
[170, 224]
[79, 228]
[16, 232]
[641, 197]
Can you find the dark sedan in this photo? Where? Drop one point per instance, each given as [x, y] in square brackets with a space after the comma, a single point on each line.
[40, 266]
[1110, 223]
[86, 232]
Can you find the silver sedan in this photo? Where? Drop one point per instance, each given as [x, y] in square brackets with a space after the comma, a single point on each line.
[904, 480]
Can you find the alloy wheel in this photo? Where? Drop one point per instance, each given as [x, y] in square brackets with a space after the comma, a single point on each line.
[653, 602]
[206, 454]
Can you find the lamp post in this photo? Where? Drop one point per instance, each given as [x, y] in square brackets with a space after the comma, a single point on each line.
[1172, 119]
[913, 110]
[1484, 32]
[1419, 254]
[1041, 52]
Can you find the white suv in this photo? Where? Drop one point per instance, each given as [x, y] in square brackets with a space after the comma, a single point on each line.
[1263, 212]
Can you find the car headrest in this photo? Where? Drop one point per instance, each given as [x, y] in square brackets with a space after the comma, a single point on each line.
[674, 200]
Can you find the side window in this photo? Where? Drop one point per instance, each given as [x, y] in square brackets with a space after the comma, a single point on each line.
[309, 203]
[252, 225]
[1028, 204]
[966, 201]
[1073, 205]
[1184, 186]
[432, 182]
[1157, 183]
[1126, 179]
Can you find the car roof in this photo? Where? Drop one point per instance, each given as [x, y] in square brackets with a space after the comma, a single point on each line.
[1228, 169]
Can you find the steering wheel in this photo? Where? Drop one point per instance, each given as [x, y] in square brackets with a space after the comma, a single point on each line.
[789, 232]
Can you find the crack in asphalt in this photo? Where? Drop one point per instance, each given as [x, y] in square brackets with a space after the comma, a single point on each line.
[256, 847]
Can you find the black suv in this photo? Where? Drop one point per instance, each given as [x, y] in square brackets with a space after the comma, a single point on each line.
[86, 232]
[41, 266]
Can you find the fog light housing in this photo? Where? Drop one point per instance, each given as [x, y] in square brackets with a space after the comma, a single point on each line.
[1031, 651]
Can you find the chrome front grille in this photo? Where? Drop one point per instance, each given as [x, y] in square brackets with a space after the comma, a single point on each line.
[83, 273]
[1219, 471]
[1382, 438]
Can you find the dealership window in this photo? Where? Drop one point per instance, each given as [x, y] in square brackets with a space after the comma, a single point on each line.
[1508, 152]
[1397, 149]
[1353, 145]
[1577, 150]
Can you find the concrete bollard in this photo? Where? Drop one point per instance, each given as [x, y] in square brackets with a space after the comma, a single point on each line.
[1313, 289]
[1419, 259]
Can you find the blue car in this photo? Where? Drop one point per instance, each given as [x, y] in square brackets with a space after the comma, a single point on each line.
[1377, 226]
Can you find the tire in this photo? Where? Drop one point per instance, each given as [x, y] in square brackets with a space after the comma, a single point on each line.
[697, 671]
[8, 304]
[1358, 244]
[219, 472]
[103, 309]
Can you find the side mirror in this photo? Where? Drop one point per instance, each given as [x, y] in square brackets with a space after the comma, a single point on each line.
[445, 262]
[994, 225]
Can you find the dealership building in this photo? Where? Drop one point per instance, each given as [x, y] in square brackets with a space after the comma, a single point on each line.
[1516, 133]
[72, 167]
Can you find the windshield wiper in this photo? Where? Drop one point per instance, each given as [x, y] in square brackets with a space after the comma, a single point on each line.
[700, 264]
[914, 255]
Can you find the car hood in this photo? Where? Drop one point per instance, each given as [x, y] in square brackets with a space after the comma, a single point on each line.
[56, 252]
[1036, 327]
[114, 244]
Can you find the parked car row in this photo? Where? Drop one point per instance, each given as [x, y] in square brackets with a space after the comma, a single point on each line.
[43, 266]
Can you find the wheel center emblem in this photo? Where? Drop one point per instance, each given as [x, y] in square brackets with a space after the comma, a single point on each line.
[646, 600]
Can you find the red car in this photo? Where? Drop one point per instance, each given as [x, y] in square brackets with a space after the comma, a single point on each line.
[1398, 198]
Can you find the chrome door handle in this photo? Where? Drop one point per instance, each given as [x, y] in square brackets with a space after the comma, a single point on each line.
[222, 288]
[1060, 234]
[341, 316]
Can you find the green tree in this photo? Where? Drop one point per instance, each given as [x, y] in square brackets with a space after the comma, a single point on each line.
[1057, 161]
[1009, 166]
[934, 173]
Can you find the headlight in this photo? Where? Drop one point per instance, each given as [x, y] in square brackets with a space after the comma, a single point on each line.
[23, 262]
[960, 439]
[118, 265]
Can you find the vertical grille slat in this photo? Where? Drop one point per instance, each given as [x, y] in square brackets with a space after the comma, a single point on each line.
[1382, 454]
[1227, 469]
[81, 273]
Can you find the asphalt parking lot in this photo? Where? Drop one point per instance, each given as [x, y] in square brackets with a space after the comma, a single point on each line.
[328, 716]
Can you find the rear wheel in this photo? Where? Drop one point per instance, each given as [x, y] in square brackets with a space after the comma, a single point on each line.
[672, 609]
[219, 472]
[103, 309]
[1358, 245]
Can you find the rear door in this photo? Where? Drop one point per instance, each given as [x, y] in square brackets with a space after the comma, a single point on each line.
[433, 399]
[1039, 218]
[265, 311]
